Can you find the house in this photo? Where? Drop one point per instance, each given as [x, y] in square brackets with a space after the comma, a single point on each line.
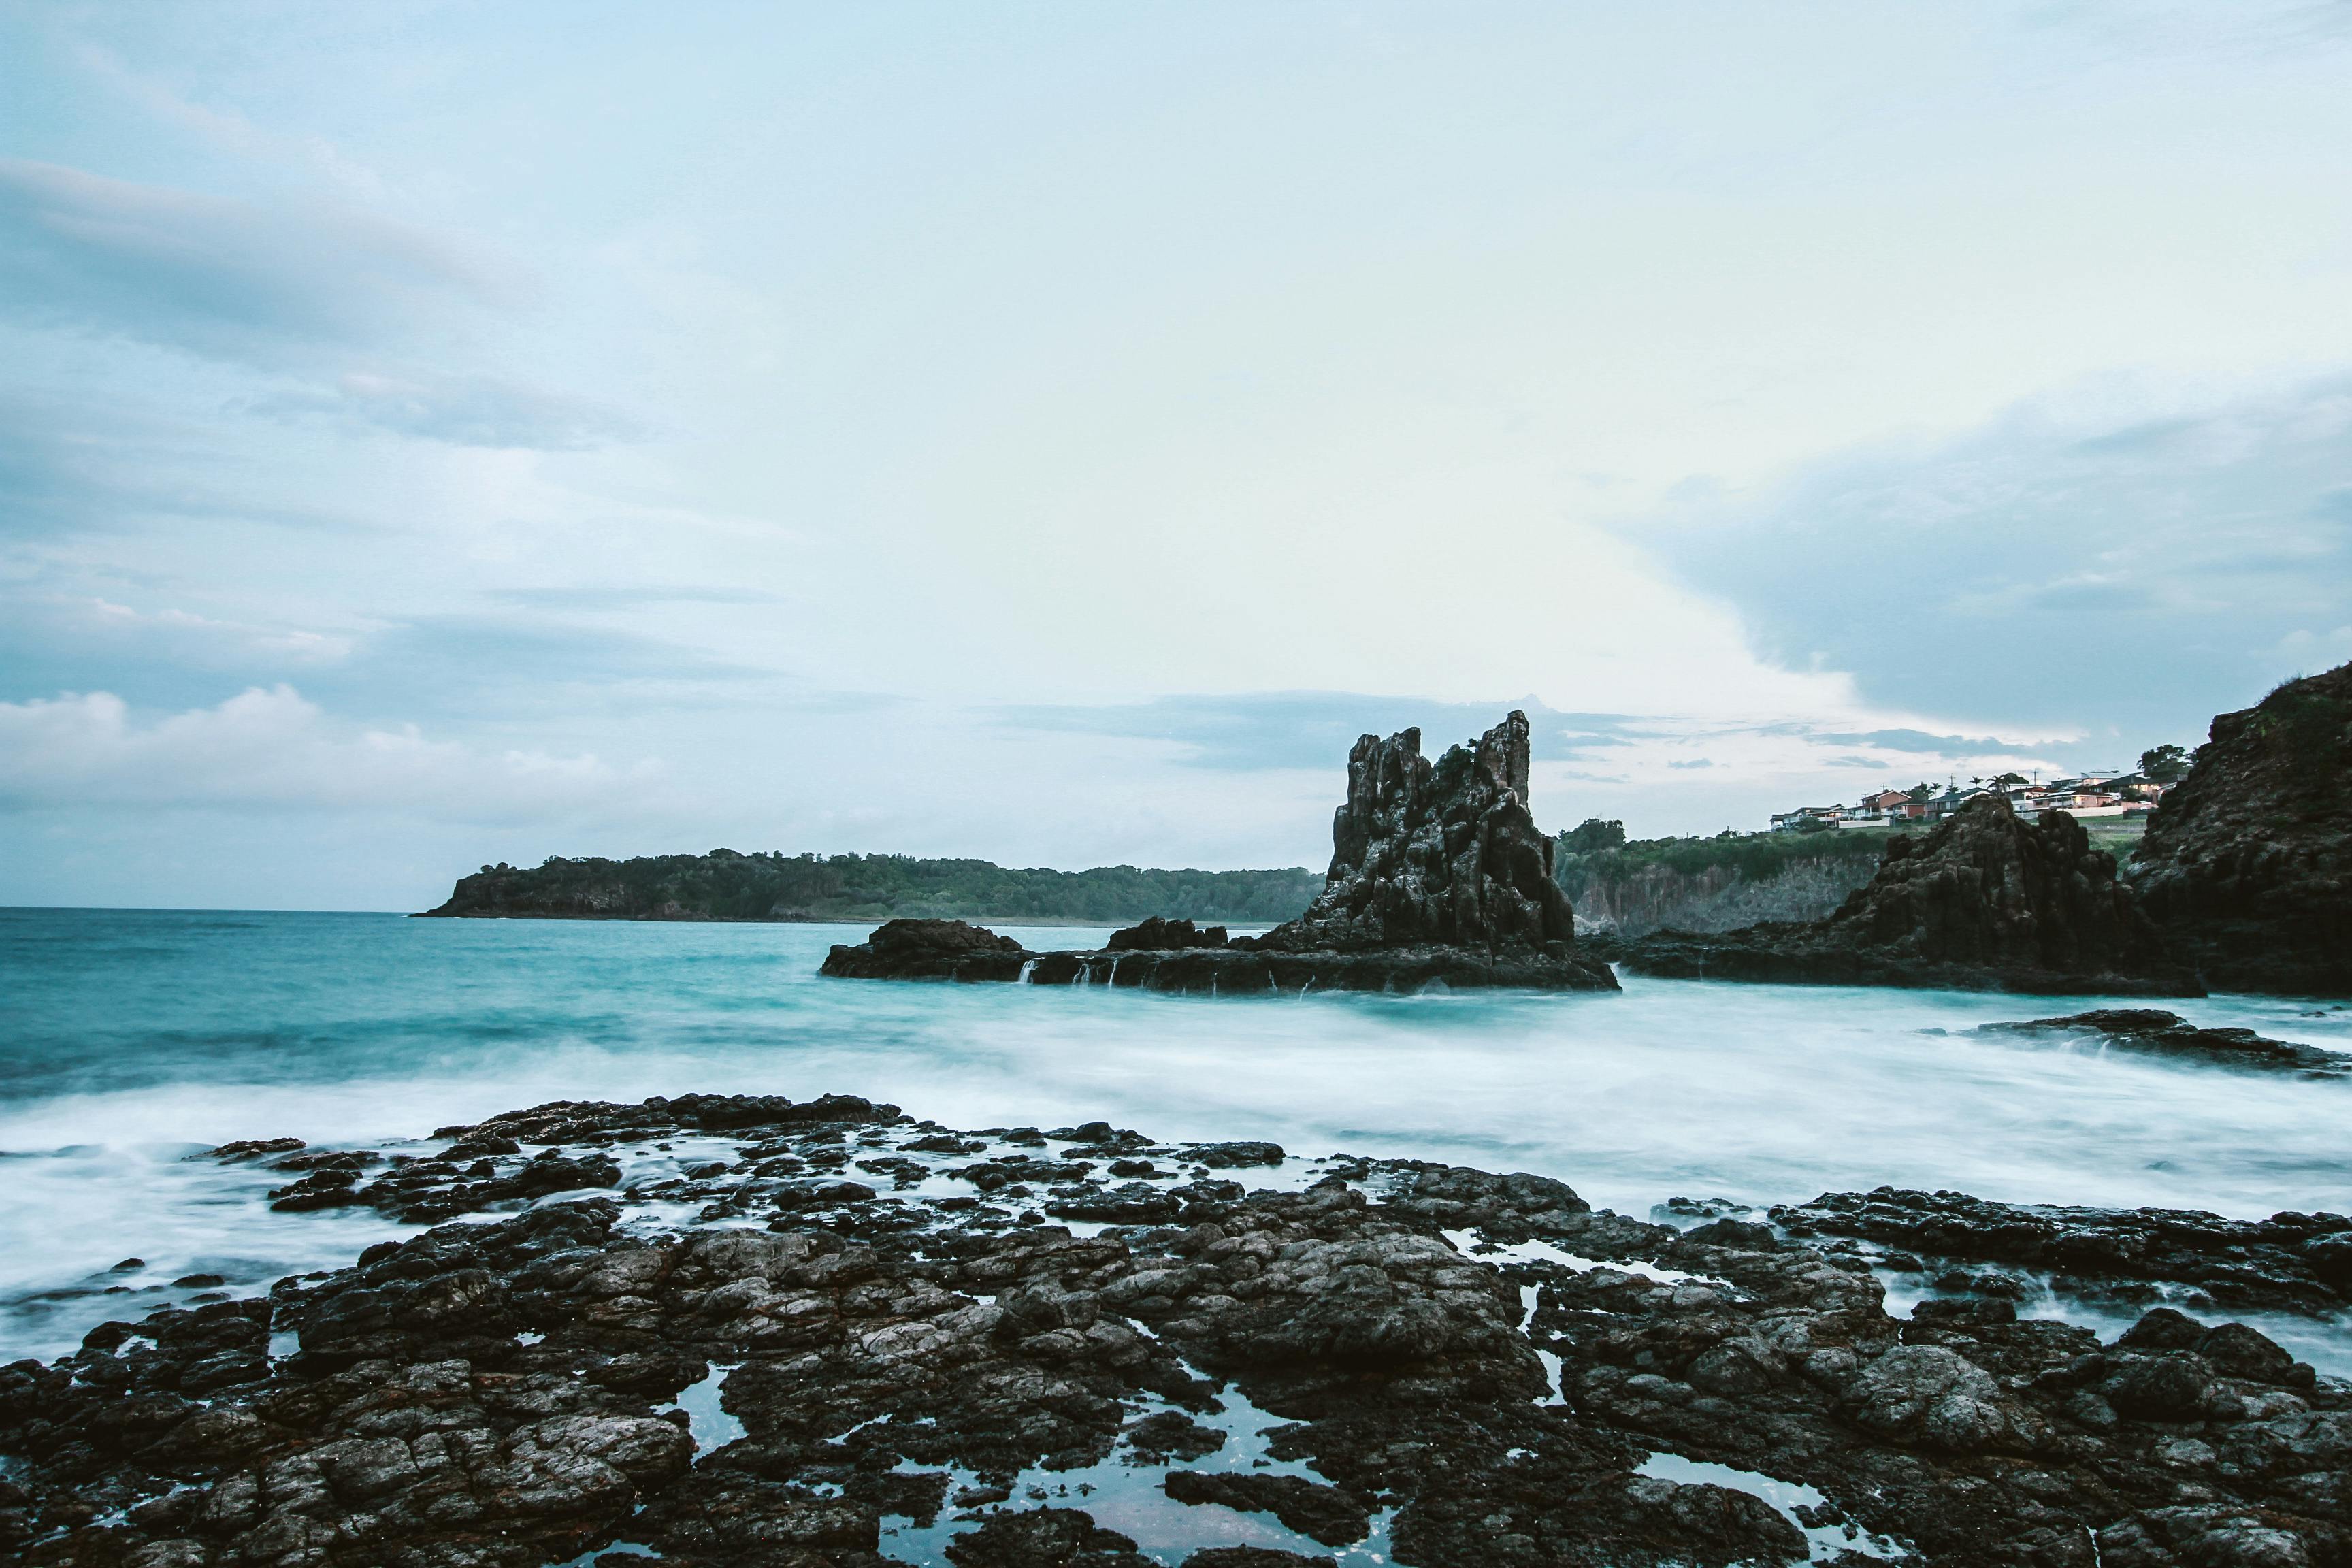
[1884, 801]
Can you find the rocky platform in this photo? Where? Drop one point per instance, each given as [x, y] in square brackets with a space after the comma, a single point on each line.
[1438, 876]
[1982, 901]
[2150, 1031]
[828, 1334]
[2247, 864]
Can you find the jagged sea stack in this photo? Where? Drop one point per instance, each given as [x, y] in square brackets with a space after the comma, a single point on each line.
[2247, 864]
[1439, 878]
[1983, 902]
[1443, 855]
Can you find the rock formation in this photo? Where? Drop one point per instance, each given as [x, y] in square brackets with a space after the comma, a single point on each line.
[1983, 901]
[2149, 1031]
[1439, 876]
[1440, 855]
[929, 949]
[816, 1372]
[2247, 864]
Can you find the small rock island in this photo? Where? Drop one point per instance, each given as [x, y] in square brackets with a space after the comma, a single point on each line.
[1439, 876]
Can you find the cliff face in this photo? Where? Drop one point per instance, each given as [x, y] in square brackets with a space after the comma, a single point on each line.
[1641, 898]
[1982, 901]
[2248, 863]
[1443, 855]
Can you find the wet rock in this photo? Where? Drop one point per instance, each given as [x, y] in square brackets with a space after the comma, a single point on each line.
[1158, 935]
[2151, 1031]
[1983, 901]
[1319, 1513]
[2247, 863]
[255, 1148]
[1172, 1433]
[1233, 1156]
[2280, 1264]
[498, 1395]
[928, 950]
[1046, 1538]
[1252, 1557]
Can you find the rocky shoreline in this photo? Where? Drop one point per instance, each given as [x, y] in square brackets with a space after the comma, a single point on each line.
[742, 1331]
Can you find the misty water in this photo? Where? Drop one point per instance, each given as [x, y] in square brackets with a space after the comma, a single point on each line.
[130, 1040]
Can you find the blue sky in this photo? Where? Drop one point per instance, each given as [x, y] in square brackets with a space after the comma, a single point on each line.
[436, 434]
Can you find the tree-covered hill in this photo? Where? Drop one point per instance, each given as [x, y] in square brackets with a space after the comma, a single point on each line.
[726, 886]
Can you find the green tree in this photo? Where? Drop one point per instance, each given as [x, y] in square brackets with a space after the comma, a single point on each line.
[1921, 793]
[1594, 836]
[2010, 781]
[2164, 763]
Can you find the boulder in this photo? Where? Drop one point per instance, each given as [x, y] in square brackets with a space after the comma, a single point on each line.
[2247, 864]
[928, 950]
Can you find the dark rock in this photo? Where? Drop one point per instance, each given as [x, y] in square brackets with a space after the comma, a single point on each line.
[1170, 1433]
[493, 1394]
[1322, 1513]
[2247, 864]
[1159, 935]
[1233, 1156]
[253, 1148]
[1044, 1538]
[2151, 1031]
[1252, 1557]
[1982, 901]
[2273, 1264]
[928, 950]
[1437, 855]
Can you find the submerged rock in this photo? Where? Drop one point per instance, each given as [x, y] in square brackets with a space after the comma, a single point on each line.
[1439, 876]
[1983, 902]
[2247, 864]
[2154, 1032]
[513, 1394]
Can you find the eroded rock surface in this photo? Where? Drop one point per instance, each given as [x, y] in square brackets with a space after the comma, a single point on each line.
[896, 1360]
[2247, 864]
[1983, 901]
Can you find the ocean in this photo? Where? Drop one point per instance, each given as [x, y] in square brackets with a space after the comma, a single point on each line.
[131, 1040]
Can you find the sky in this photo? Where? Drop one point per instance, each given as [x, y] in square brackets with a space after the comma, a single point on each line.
[435, 435]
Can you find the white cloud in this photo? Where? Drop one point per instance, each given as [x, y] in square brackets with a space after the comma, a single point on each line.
[271, 749]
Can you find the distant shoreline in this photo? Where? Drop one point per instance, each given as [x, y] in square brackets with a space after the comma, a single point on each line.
[799, 920]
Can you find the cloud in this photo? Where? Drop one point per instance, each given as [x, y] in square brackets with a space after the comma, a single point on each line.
[272, 749]
[217, 276]
[2131, 577]
[1251, 732]
[462, 411]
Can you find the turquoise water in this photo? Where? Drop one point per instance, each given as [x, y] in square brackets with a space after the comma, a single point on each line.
[129, 1039]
